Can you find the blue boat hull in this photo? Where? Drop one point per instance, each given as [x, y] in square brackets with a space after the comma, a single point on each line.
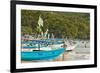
[41, 55]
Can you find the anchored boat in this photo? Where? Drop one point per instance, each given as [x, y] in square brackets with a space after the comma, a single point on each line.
[41, 55]
[44, 50]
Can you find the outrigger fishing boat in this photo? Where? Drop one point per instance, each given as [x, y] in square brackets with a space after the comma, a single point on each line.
[41, 43]
[46, 49]
[41, 53]
[46, 44]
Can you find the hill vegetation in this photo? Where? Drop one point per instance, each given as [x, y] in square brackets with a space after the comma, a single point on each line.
[61, 24]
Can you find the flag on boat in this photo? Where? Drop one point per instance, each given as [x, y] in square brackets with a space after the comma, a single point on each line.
[40, 21]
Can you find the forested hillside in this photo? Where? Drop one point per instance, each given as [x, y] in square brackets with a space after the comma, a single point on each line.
[61, 24]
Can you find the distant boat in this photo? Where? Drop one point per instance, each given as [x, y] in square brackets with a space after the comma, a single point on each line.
[41, 43]
[69, 45]
[41, 48]
[32, 46]
[41, 55]
[70, 48]
[58, 44]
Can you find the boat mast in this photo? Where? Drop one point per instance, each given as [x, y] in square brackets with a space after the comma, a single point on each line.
[40, 25]
[39, 46]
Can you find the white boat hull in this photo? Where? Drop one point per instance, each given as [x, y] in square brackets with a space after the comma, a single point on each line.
[70, 48]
